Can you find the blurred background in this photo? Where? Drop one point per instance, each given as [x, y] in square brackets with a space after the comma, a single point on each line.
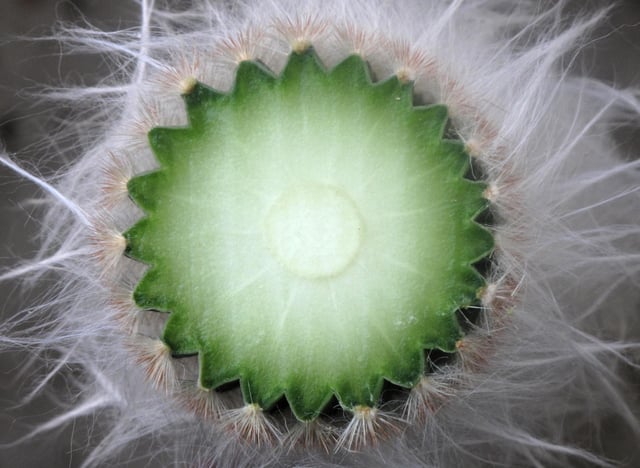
[613, 55]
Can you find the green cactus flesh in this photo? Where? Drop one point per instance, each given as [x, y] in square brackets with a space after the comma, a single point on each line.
[311, 234]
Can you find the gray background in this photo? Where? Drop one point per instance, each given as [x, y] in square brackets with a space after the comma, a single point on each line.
[613, 55]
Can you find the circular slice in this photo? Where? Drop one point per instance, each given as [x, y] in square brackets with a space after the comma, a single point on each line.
[310, 234]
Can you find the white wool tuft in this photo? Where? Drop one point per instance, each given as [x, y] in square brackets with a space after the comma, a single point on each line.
[534, 384]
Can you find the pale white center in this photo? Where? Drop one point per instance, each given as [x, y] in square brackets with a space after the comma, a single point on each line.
[314, 230]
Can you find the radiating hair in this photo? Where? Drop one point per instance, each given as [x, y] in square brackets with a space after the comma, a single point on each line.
[562, 303]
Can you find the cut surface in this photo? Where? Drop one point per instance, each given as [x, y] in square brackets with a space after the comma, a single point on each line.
[310, 234]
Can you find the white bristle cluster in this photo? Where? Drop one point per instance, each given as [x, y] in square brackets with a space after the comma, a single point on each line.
[428, 396]
[154, 357]
[118, 170]
[242, 46]
[108, 243]
[252, 425]
[203, 402]
[558, 313]
[311, 436]
[367, 428]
